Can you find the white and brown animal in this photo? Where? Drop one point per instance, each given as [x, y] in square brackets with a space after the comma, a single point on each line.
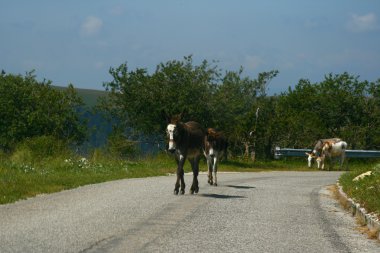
[186, 141]
[328, 148]
[215, 148]
[317, 150]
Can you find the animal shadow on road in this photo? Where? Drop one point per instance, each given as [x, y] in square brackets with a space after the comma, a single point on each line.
[221, 196]
[241, 186]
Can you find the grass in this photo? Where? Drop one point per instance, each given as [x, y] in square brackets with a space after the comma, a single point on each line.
[365, 191]
[20, 180]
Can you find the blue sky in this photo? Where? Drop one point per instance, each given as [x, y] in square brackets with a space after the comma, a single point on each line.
[77, 42]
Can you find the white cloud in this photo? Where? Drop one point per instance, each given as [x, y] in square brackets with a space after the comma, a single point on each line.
[91, 26]
[367, 22]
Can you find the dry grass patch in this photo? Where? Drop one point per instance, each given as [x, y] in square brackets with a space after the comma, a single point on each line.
[372, 234]
[362, 227]
[336, 195]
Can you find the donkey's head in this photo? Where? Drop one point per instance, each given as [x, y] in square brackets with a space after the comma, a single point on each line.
[310, 157]
[210, 141]
[173, 131]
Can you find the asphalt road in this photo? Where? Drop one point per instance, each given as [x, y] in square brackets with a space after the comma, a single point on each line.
[247, 212]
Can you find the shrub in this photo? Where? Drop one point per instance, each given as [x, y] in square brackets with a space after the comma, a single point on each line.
[366, 191]
[39, 148]
[119, 145]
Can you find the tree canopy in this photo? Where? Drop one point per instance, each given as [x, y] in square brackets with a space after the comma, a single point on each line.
[29, 108]
[339, 106]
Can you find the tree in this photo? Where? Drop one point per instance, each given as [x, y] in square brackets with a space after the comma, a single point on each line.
[137, 99]
[373, 123]
[339, 106]
[29, 108]
[297, 122]
[234, 106]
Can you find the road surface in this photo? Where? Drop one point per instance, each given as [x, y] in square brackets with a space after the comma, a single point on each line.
[247, 212]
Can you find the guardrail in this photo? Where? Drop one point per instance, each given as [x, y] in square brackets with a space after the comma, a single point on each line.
[284, 152]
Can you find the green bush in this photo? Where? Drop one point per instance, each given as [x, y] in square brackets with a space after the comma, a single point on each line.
[39, 148]
[29, 108]
[118, 145]
[21, 156]
[365, 191]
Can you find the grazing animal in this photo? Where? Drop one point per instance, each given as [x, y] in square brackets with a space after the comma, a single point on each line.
[215, 148]
[331, 149]
[186, 141]
[317, 150]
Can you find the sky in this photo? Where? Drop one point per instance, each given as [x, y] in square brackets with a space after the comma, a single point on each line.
[77, 41]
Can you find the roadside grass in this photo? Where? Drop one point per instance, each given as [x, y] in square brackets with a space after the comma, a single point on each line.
[20, 180]
[27, 173]
[365, 191]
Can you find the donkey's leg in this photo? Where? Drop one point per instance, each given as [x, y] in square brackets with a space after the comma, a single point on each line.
[195, 166]
[215, 169]
[180, 176]
[209, 167]
[176, 186]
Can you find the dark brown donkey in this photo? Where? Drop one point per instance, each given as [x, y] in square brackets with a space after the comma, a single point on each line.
[186, 141]
[215, 148]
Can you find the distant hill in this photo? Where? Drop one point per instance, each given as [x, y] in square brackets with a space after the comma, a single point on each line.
[98, 127]
[90, 97]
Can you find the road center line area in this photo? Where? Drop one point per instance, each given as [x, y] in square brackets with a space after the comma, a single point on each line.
[246, 212]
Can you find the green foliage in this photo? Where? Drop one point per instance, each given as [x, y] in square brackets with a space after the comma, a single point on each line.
[118, 145]
[340, 106]
[38, 148]
[235, 102]
[137, 99]
[30, 108]
[365, 191]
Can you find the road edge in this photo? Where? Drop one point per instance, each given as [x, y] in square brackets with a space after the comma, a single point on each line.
[370, 219]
